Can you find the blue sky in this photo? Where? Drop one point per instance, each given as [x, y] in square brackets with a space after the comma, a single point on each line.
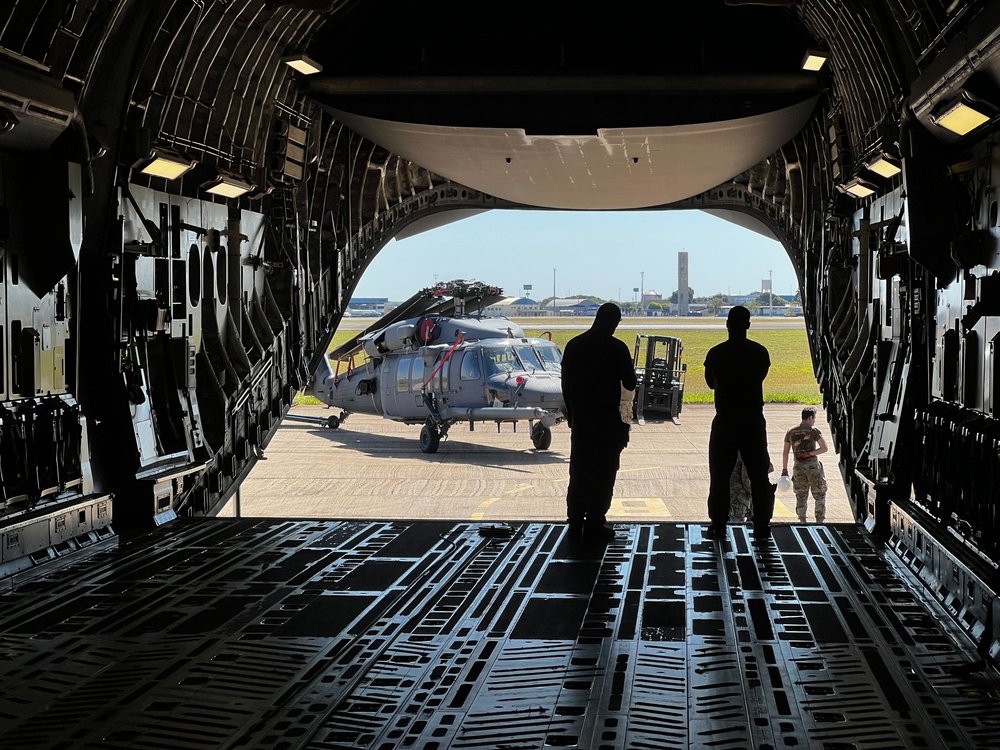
[605, 254]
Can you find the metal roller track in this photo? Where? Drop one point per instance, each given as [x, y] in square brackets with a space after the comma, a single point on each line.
[359, 634]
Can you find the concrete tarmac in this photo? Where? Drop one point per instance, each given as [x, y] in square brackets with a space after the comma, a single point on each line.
[372, 467]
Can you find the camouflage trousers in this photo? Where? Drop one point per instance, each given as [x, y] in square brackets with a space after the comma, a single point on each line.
[808, 476]
[740, 503]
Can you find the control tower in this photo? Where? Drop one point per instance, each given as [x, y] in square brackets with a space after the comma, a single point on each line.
[683, 288]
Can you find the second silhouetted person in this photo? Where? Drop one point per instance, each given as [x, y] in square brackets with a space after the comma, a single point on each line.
[735, 370]
[595, 368]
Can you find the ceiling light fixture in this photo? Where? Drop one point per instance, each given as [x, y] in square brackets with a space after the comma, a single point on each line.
[857, 187]
[166, 163]
[303, 64]
[814, 60]
[884, 165]
[8, 120]
[228, 186]
[260, 192]
[963, 114]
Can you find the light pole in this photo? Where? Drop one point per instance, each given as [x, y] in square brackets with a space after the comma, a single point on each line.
[553, 291]
[770, 295]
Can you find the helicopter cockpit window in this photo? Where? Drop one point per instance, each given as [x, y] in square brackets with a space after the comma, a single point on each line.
[529, 358]
[403, 375]
[470, 366]
[550, 356]
[500, 359]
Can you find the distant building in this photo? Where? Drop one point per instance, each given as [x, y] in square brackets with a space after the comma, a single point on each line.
[586, 307]
[650, 295]
[500, 308]
[525, 307]
[780, 310]
[514, 307]
[783, 304]
[367, 307]
[572, 306]
[695, 309]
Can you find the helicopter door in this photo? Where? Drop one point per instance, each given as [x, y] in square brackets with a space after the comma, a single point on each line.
[470, 380]
[396, 387]
[413, 398]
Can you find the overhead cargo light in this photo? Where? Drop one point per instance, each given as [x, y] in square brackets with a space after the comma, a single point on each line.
[857, 187]
[228, 186]
[885, 165]
[814, 60]
[166, 163]
[303, 63]
[259, 192]
[963, 114]
[8, 120]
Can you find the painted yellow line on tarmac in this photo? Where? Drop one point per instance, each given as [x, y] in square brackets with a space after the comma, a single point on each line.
[781, 510]
[519, 489]
[485, 504]
[639, 506]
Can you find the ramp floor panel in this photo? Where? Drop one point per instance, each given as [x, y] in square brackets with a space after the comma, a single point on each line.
[268, 633]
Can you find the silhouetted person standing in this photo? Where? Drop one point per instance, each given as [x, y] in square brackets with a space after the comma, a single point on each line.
[595, 368]
[735, 370]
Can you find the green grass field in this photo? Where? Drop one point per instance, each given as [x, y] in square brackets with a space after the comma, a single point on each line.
[790, 380]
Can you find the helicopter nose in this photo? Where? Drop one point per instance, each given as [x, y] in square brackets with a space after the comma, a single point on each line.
[538, 390]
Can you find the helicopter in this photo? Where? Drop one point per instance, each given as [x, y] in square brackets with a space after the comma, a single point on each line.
[431, 362]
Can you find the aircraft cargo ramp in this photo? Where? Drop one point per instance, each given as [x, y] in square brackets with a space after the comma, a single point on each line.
[273, 633]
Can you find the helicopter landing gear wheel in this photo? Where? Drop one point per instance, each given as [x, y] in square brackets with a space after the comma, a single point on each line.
[541, 437]
[430, 438]
[333, 422]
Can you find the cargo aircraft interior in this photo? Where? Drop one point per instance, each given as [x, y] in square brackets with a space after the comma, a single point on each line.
[190, 191]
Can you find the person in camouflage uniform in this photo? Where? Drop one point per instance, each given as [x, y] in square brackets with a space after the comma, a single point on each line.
[740, 500]
[806, 442]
